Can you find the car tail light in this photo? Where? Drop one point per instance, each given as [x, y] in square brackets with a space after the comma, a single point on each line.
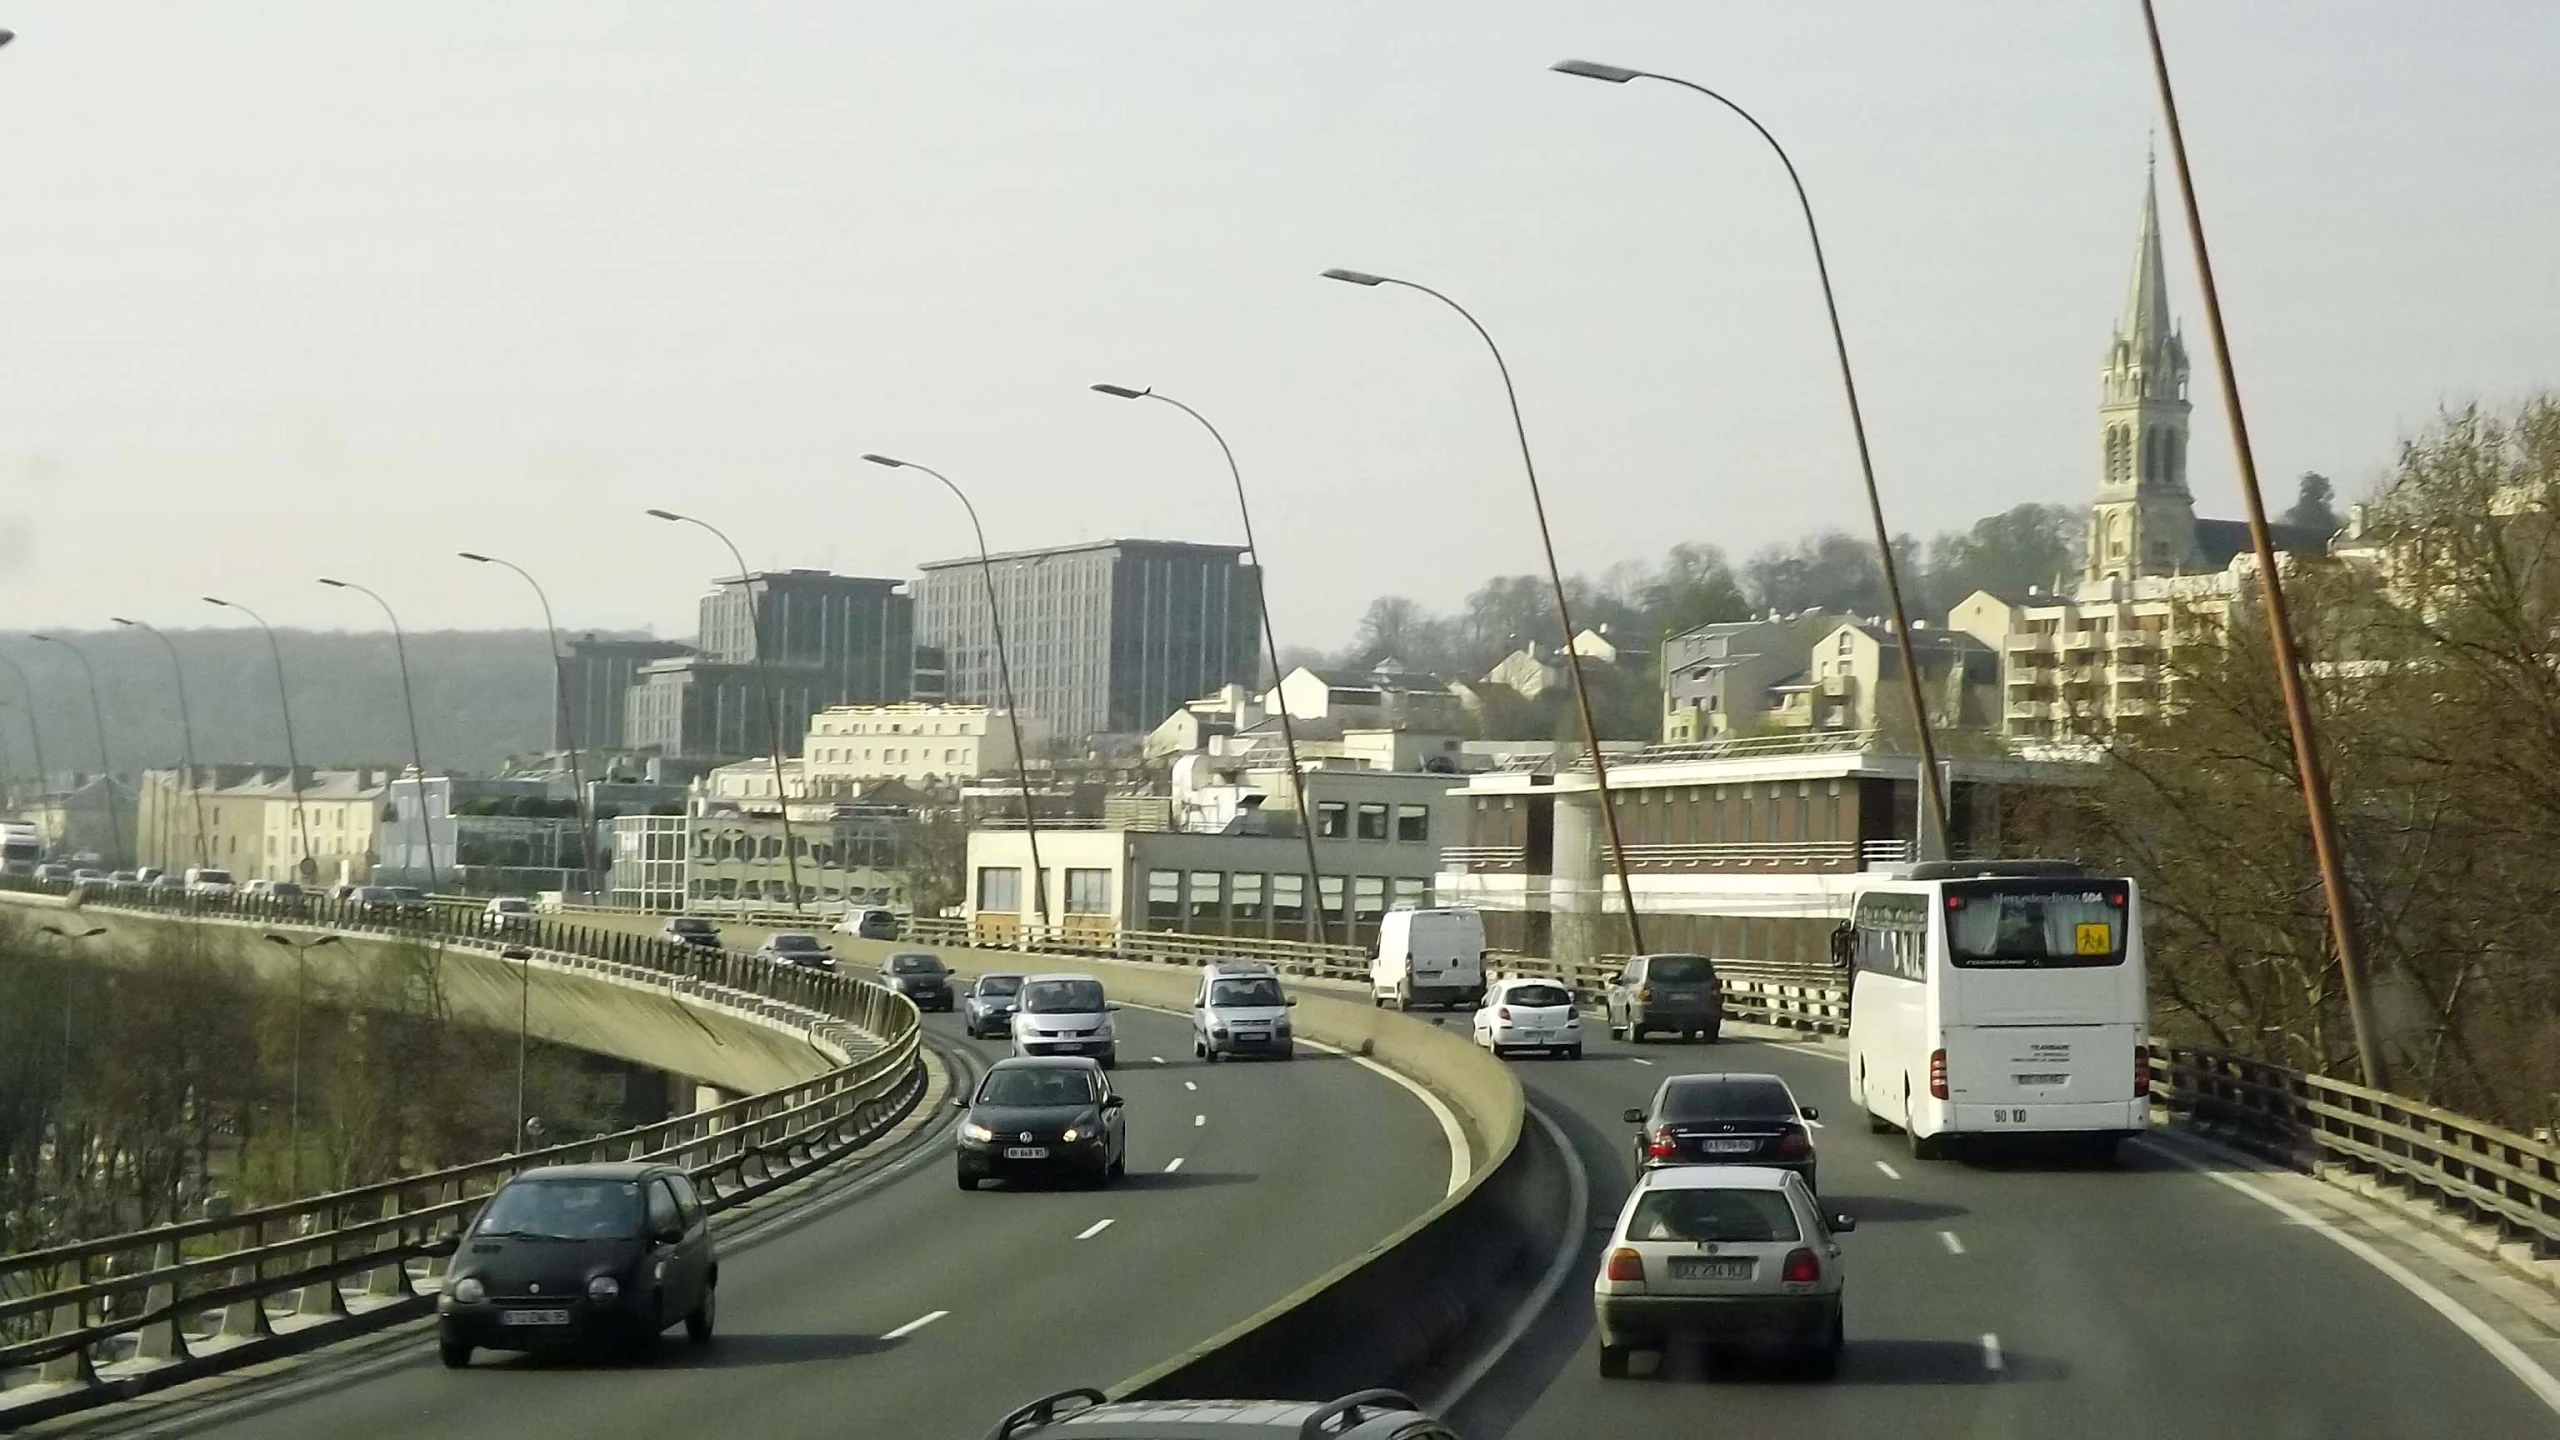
[2141, 1070]
[1938, 1074]
[1504, 1013]
[1663, 1147]
[1628, 1266]
[1645, 994]
[1802, 1268]
[1794, 1145]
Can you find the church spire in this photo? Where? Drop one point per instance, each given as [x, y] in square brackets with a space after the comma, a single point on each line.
[2146, 306]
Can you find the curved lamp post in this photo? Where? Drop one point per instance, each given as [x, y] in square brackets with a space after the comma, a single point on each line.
[106, 764]
[1555, 578]
[309, 869]
[301, 962]
[566, 723]
[1271, 646]
[35, 736]
[773, 690]
[1933, 798]
[409, 702]
[186, 731]
[1004, 674]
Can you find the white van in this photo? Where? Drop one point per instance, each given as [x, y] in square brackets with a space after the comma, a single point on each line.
[1429, 957]
[209, 883]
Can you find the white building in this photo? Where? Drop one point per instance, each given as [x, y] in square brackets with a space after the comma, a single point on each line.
[849, 746]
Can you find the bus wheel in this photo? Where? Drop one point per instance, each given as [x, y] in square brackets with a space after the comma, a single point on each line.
[1878, 1125]
[1926, 1147]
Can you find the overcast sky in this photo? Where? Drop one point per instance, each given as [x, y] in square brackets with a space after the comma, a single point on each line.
[302, 286]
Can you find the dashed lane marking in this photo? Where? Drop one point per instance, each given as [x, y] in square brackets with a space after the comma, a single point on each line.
[1948, 1239]
[1889, 1172]
[1096, 1228]
[1173, 1164]
[912, 1326]
[1991, 1358]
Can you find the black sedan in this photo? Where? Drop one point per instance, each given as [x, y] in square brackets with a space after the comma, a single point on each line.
[1042, 1115]
[581, 1253]
[1726, 1119]
[987, 1010]
[921, 977]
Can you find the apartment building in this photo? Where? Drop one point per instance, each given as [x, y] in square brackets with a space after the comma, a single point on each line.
[849, 746]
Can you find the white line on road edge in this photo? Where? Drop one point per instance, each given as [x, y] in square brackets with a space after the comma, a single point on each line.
[1096, 1228]
[1199, 1120]
[912, 1326]
[1640, 1061]
[1157, 1058]
[1568, 1248]
[1173, 1164]
[1948, 1239]
[1991, 1360]
[2500, 1348]
[1889, 1172]
[1462, 1160]
[1190, 1084]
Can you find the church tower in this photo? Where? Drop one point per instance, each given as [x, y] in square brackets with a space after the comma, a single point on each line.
[2145, 521]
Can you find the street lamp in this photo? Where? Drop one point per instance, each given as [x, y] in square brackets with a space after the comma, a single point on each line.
[773, 688]
[1933, 797]
[68, 938]
[35, 736]
[301, 957]
[565, 723]
[1271, 645]
[524, 1024]
[1004, 674]
[186, 729]
[1555, 577]
[106, 765]
[309, 869]
[417, 753]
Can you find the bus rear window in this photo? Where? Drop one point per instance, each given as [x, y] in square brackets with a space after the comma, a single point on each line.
[2011, 925]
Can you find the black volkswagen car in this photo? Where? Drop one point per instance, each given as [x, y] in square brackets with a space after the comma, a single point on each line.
[581, 1253]
[1042, 1115]
[1726, 1119]
[921, 977]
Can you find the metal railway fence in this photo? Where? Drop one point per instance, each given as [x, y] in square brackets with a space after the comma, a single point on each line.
[218, 1292]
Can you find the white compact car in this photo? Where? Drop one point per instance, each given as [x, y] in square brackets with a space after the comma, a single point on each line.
[1530, 1014]
[1064, 1014]
[1728, 1255]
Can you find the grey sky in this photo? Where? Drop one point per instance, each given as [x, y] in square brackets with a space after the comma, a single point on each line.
[303, 286]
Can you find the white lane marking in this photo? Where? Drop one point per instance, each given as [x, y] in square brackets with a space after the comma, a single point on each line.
[912, 1326]
[2501, 1349]
[1991, 1359]
[1948, 1239]
[1199, 1120]
[1638, 1060]
[1173, 1164]
[1889, 1172]
[1096, 1228]
[1190, 1084]
[1157, 1058]
[1462, 1160]
[1568, 1251]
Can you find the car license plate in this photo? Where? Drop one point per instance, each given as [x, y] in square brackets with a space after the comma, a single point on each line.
[1691, 1268]
[1026, 1152]
[2043, 1078]
[1741, 1145]
[533, 1317]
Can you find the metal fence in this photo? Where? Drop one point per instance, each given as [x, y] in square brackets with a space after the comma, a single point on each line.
[210, 1294]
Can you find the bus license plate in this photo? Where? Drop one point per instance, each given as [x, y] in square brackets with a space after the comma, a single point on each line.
[1686, 1268]
[1026, 1152]
[2042, 1078]
[533, 1317]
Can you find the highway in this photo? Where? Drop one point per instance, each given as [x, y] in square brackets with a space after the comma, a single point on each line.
[2146, 1300]
[1285, 1171]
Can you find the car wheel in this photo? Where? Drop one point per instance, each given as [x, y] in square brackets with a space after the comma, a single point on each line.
[1613, 1362]
[1825, 1360]
[1110, 1059]
[1120, 1164]
[1573, 1052]
[454, 1354]
[1926, 1147]
[1878, 1125]
[1209, 1053]
[1715, 1035]
[1635, 1033]
[705, 1313]
[1404, 996]
[968, 1183]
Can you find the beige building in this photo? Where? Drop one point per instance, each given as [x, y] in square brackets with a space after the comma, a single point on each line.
[849, 746]
[254, 826]
[2078, 667]
[1852, 680]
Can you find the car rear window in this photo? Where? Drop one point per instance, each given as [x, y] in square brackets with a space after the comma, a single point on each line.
[1680, 970]
[1537, 995]
[914, 965]
[999, 984]
[1710, 1217]
[1726, 1100]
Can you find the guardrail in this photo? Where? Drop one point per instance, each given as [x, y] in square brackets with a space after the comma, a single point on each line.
[192, 1298]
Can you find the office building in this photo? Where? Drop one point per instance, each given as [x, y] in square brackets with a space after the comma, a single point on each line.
[855, 633]
[596, 676]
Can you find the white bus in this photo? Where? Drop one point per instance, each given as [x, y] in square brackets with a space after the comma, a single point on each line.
[1998, 998]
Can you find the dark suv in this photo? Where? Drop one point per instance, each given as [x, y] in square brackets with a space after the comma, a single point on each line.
[572, 1253]
[1676, 993]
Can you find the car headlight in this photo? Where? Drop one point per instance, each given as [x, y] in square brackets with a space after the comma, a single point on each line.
[1069, 1135]
[469, 1290]
[604, 1290]
[1218, 1030]
[976, 1131]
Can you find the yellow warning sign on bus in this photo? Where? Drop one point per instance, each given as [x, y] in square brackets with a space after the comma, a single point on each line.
[2096, 939]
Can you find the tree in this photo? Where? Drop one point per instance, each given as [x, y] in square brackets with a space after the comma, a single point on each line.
[2313, 506]
[2026, 545]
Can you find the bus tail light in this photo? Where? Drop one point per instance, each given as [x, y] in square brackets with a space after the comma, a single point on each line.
[1801, 1269]
[1937, 1074]
[1661, 1146]
[1627, 1267]
[2141, 1071]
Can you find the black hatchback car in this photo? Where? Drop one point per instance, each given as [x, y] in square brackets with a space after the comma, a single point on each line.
[921, 977]
[581, 1253]
[1042, 1115]
[1726, 1119]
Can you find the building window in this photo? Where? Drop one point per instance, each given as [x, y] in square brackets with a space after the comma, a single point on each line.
[999, 890]
[1843, 646]
[1088, 892]
[1413, 824]
[1244, 897]
[1412, 893]
[1164, 895]
[1369, 897]
[1329, 896]
[1373, 821]
[1332, 819]
[1288, 897]
[1202, 897]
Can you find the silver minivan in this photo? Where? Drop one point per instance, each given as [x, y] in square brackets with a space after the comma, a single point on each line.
[1240, 1010]
[1064, 1014]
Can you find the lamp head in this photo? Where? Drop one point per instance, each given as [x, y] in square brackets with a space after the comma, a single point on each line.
[1355, 277]
[123, 621]
[1123, 391]
[217, 600]
[1594, 70]
[886, 460]
[49, 640]
[665, 515]
[333, 584]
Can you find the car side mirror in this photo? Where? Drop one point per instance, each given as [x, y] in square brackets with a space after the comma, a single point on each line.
[1843, 1224]
[669, 1235]
[1111, 1007]
[959, 1102]
[1112, 1102]
[1291, 1002]
[1809, 1112]
[1632, 1117]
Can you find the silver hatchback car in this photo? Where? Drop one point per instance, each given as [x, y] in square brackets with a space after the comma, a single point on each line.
[1240, 1010]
